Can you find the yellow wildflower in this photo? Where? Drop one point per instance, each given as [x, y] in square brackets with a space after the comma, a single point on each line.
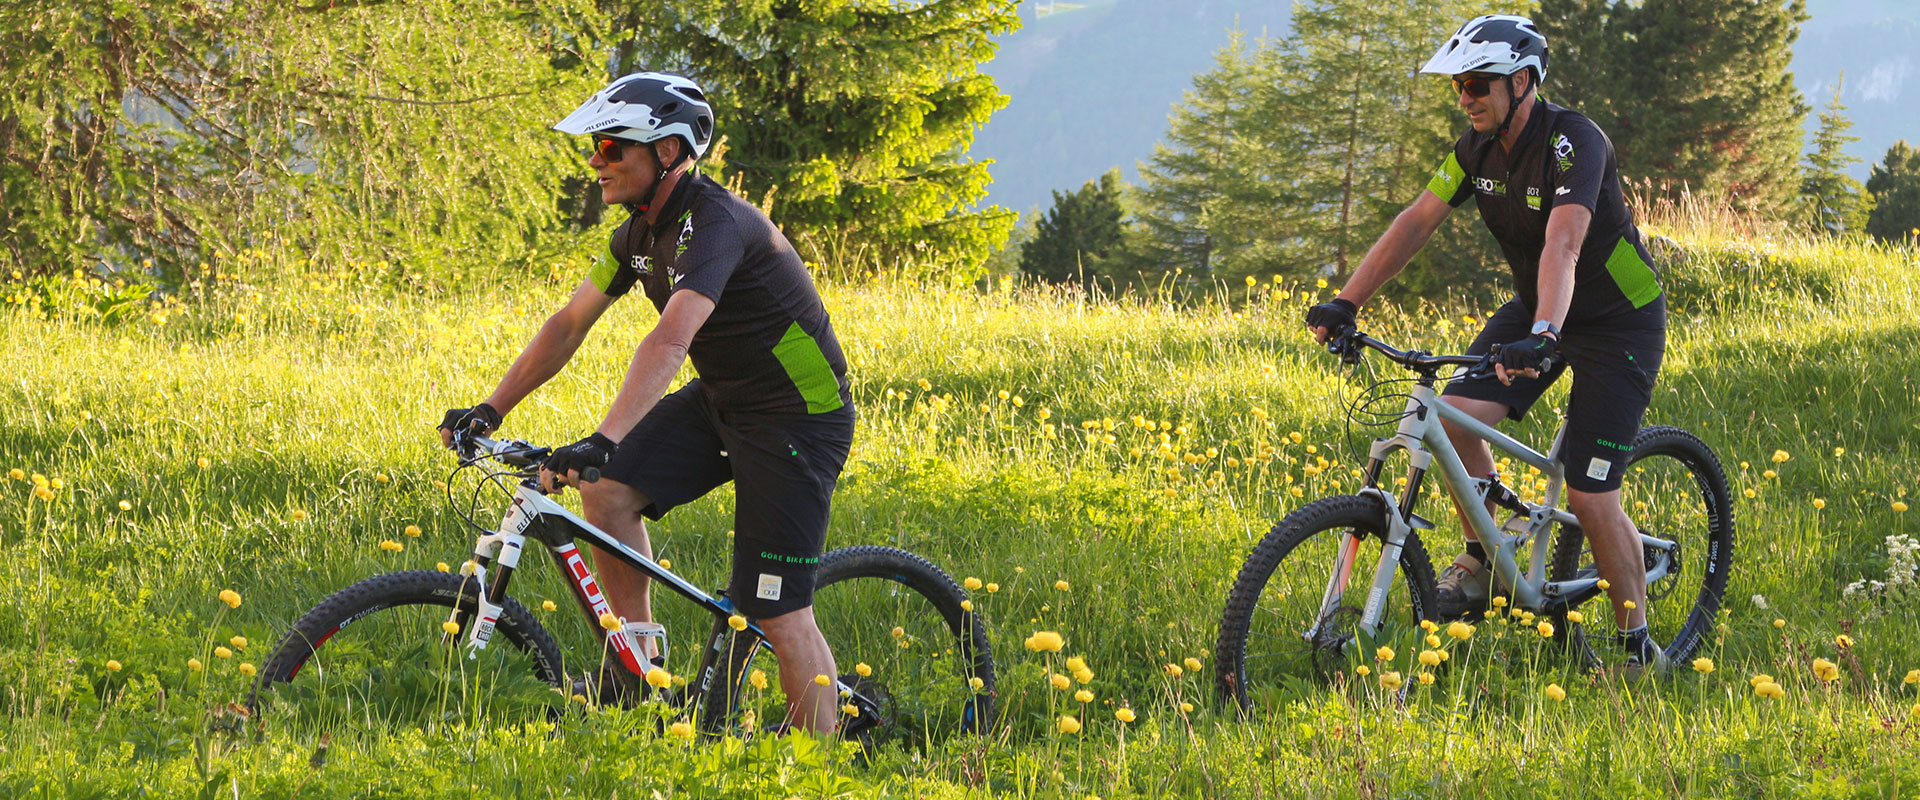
[1060, 682]
[822, 680]
[1124, 714]
[863, 670]
[230, 597]
[1554, 691]
[1703, 665]
[1067, 724]
[973, 584]
[737, 622]
[114, 666]
[1083, 696]
[659, 678]
[450, 626]
[1048, 641]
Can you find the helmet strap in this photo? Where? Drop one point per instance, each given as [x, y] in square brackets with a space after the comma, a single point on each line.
[1513, 105]
[659, 178]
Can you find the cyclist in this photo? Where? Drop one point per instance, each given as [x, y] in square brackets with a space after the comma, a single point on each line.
[769, 411]
[1585, 295]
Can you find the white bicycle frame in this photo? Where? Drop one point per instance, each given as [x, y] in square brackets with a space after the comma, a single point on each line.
[1421, 434]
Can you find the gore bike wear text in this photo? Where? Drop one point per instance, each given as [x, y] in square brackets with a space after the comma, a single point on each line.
[768, 346]
[1560, 158]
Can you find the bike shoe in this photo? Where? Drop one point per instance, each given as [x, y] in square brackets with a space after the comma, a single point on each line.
[1463, 588]
[1644, 659]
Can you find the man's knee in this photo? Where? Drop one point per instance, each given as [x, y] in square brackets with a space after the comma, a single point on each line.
[612, 500]
[1587, 504]
[796, 622]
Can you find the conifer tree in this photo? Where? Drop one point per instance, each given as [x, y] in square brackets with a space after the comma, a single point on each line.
[1290, 158]
[852, 118]
[1895, 185]
[1072, 241]
[1701, 99]
[1832, 201]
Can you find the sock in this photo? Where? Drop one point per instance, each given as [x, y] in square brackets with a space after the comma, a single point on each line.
[1479, 552]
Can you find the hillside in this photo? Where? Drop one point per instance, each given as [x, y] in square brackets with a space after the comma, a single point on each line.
[274, 438]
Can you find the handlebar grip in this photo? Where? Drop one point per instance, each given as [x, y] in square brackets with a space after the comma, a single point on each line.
[590, 474]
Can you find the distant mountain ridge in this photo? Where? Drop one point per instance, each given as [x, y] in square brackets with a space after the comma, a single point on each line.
[1091, 84]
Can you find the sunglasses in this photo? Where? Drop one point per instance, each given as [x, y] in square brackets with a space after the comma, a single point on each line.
[1475, 86]
[611, 149]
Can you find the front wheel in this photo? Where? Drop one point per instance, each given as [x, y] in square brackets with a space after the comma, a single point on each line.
[377, 651]
[1673, 489]
[1294, 612]
[902, 636]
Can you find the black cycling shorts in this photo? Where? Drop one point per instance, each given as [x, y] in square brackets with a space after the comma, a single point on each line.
[1614, 364]
[784, 468]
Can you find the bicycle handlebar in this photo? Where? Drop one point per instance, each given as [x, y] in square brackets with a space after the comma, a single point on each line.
[513, 452]
[1348, 342]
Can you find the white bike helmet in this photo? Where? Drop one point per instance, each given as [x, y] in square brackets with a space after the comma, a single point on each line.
[1499, 44]
[1502, 44]
[646, 107]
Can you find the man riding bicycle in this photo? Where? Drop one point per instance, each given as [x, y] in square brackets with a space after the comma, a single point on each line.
[1585, 296]
[770, 410]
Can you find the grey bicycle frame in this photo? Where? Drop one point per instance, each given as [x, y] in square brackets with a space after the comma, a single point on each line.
[1421, 434]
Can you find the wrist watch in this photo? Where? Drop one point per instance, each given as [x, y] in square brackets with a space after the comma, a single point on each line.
[1547, 328]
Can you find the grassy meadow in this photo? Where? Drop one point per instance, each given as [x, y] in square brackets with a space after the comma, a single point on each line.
[1108, 463]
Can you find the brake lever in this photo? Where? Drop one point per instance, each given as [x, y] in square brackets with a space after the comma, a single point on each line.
[1343, 345]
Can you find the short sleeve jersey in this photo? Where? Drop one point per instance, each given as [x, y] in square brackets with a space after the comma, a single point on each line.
[1560, 158]
[768, 346]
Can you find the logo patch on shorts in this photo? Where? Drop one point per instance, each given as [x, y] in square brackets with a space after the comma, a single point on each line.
[769, 587]
[1597, 469]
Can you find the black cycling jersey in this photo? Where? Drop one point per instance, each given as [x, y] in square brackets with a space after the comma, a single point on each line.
[768, 347]
[1560, 157]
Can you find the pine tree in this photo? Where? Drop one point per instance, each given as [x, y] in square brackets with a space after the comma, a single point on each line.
[1290, 158]
[1702, 100]
[1895, 185]
[1191, 179]
[1833, 201]
[1071, 243]
[1585, 47]
[853, 117]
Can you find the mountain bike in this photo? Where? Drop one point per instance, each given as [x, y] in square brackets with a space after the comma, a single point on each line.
[425, 643]
[1298, 610]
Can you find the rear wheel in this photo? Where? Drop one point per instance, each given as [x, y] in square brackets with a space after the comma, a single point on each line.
[1282, 626]
[1673, 489]
[900, 620]
[377, 651]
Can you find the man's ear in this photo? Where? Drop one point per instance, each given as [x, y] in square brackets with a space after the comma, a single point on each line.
[667, 150]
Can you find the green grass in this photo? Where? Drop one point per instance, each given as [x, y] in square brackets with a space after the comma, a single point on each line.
[312, 402]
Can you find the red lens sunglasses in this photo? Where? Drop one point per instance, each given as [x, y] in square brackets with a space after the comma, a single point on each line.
[611, 149]
[1475, 86]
